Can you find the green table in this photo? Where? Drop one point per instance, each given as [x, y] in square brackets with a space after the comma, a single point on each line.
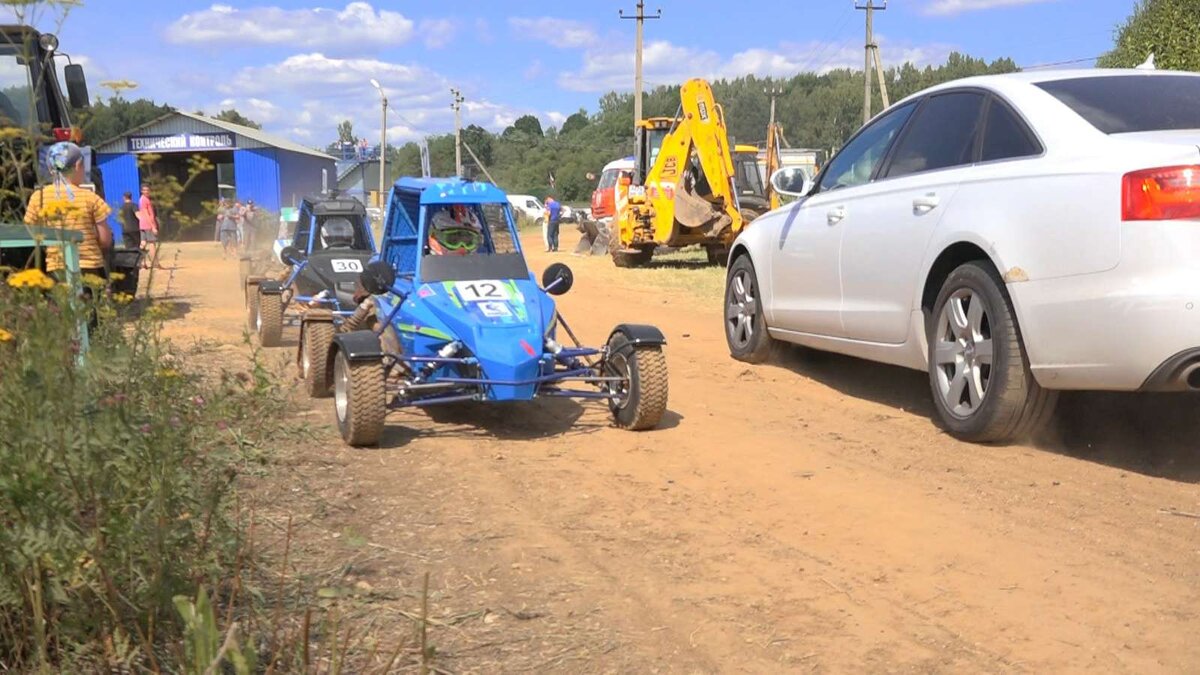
[22, 236]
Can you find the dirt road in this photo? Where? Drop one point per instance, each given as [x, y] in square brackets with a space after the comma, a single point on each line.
[803, 516]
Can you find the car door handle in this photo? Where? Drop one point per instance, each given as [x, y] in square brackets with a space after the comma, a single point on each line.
[835, 215]
[925, 204]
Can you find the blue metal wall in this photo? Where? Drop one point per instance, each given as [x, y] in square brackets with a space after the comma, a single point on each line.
[257, 174]
[120, 171]
[300, 175]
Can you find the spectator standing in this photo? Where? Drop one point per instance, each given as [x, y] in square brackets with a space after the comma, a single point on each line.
[131, 231]
[249, 225]
[239, 219]
[226, 228]
[148, 225]
[64, 204]
[553, 214]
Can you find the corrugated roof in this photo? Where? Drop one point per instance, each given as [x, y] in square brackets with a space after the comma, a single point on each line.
[257, 135]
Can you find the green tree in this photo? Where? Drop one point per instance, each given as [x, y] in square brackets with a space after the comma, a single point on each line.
[234, 117]
[575, 122]
[1165, 28]
[527, 124]
[345, 131]
[105, 120]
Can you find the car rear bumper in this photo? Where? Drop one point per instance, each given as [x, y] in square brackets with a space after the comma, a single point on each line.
[1135, 327]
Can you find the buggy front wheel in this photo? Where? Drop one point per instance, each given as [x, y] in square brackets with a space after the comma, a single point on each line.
[359, 400]
[640, 397]
[270, 319]
[315, 338]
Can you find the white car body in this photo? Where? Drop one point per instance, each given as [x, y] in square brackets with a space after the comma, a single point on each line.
[1101, 302]
[528, 205]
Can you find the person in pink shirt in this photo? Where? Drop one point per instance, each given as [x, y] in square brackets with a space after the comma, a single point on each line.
[148, 224]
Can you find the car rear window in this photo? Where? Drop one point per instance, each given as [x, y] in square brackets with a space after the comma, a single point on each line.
[1131, 103]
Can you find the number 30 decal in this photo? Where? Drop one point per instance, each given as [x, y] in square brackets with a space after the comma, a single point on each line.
[481, 291]
[349, 265]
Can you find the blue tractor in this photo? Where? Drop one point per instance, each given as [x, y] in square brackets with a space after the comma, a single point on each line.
[455, 315]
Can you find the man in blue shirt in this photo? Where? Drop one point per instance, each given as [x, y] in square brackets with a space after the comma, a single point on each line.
[553, 211]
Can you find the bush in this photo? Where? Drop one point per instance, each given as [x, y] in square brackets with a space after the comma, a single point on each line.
[117, 469]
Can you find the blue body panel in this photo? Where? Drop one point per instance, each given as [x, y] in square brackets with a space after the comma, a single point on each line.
[502, 324]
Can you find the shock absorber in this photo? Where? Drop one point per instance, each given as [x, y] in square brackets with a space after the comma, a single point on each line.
[359, 318]
[446, 352]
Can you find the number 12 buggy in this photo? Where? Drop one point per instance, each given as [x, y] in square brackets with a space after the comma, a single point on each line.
[455, 315]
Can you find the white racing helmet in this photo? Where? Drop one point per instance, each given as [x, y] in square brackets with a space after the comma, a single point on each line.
[337, 233]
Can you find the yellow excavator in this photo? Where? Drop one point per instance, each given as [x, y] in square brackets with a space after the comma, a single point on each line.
[685, 184]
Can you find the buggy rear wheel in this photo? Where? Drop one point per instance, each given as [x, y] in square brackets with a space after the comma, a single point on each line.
[359, 400]
[270, 319]
[315, 339]
[641, 398]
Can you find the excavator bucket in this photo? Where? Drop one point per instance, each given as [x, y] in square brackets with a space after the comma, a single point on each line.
[593, 239]
[694, 211]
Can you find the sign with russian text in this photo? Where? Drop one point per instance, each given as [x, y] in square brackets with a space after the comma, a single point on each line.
[181, 142]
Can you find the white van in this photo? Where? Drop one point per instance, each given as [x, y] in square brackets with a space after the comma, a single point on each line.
[528, 205]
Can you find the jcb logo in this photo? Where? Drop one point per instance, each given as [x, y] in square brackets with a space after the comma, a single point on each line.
[703, 112]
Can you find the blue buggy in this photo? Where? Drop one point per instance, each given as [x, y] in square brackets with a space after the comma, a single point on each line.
[455, 315]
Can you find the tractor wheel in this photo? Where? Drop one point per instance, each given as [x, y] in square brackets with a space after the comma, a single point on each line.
[622, 258]
[270, 319]
[315, 338]
[252, 308]
[358, 400]
[642, 398]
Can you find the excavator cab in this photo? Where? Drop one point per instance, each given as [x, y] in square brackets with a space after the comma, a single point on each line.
[648, 140]
[752, 191]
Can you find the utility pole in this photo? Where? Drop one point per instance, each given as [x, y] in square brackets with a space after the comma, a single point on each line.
[640, 17]
[382, 145]
[457, 105]
[872, 55]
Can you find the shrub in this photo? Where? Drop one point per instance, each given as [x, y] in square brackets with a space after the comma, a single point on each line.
[117, 469]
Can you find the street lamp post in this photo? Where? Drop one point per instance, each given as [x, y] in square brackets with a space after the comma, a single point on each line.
[382, 142]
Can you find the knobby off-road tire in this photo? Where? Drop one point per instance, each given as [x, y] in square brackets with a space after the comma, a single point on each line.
[983, 390]
[315, 339]
[270, 320]
[624, 258]
[359, 400]
[252, 308]
[644, 394]
[745, 323]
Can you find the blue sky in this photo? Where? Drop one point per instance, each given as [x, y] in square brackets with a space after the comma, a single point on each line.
[300, 66]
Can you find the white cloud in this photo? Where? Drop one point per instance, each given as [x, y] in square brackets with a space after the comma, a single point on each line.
[949, 7]
[323, 76]
[535, 70]
[262, 111]
[664, 63]
[437, 33]
[556, 32]
[554, 117]
[356, 26]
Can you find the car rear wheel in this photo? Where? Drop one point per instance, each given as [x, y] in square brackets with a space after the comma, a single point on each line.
[270, 319]
[315, 339]
[640, 398]
[359, 400]
[745, 324]
[983, 390]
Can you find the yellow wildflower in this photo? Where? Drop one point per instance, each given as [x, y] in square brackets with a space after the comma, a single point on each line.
[117, 276]
[158, 312]
[168, 373]
[11, 133]
[122, 298]
[5, 336]
[94, 281]
[33, 278]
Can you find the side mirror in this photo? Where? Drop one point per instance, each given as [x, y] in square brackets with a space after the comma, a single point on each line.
[378, 277]
[290, 255]
[76, 85]
[791, 181]
[557, 279]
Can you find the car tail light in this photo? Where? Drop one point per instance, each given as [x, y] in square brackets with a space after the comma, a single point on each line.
[1167, 193]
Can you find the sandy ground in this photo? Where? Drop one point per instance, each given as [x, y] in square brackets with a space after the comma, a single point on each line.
[801, 516]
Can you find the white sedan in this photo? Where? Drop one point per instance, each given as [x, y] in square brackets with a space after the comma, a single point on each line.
[1013, 235]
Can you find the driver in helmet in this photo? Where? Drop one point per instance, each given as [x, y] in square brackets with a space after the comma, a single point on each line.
[454, 231]
[337, 233]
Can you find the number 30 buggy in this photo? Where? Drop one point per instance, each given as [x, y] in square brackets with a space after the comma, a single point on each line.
[330, 248]
[455, 315]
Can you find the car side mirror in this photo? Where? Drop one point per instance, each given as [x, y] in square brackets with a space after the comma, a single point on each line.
[378, 277]
[557, 279]
[76, 85]
[791, 181]
[290, 255]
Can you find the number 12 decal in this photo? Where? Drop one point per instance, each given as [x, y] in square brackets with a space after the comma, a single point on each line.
[481, 291]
